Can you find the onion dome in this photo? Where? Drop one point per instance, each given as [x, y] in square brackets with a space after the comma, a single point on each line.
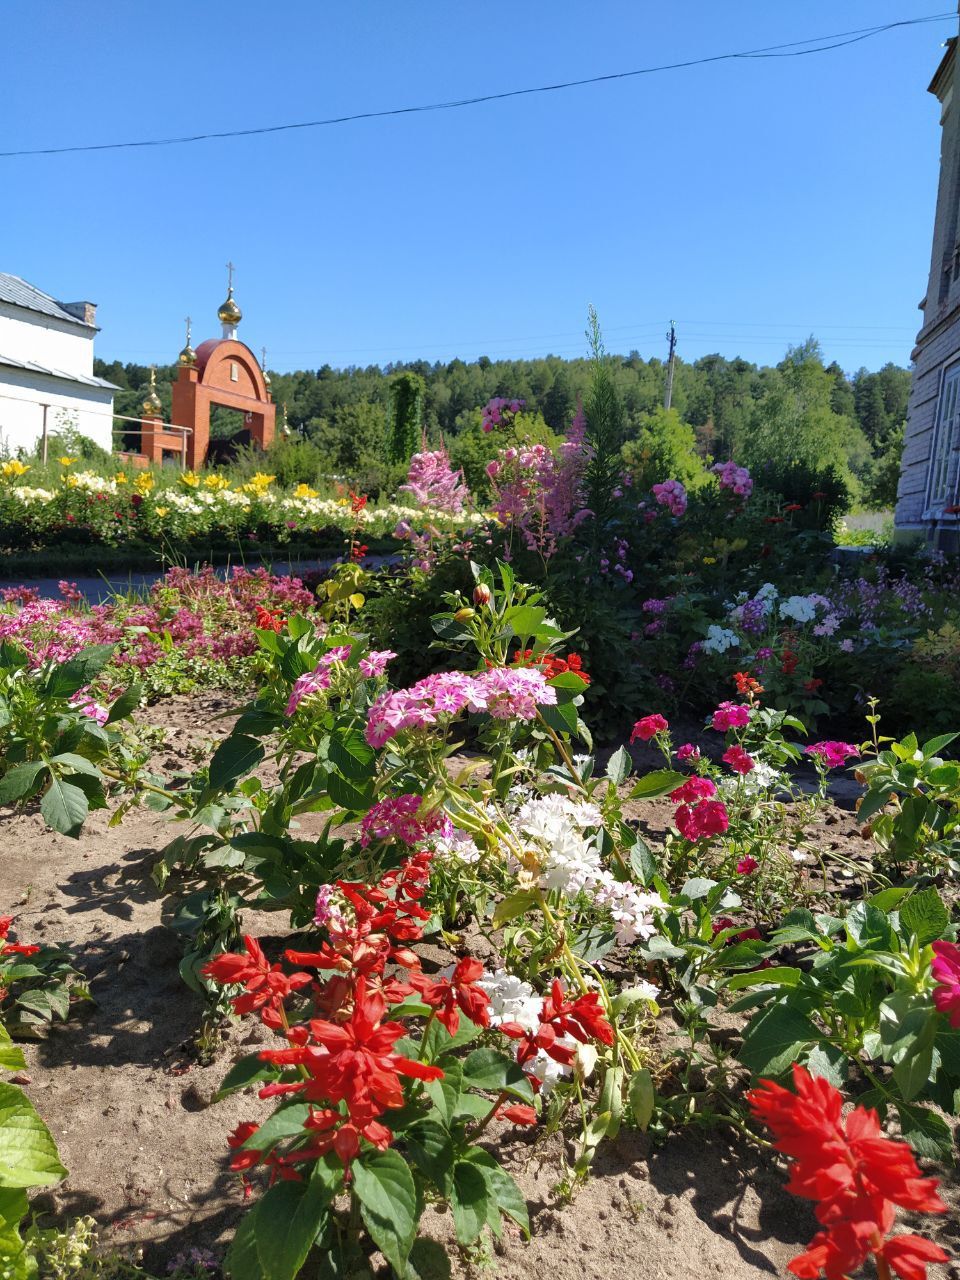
[187, 356]
[152, 408]
[230, 313]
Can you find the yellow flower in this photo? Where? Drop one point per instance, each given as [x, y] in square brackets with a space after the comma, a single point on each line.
[13, 468]
[260, 481]
[143, 482]
[709, 559]
[72, 482]
[121, 477]
[190, 479]
[66, 462]
[161, 511]
[304, 491]
[216, 482]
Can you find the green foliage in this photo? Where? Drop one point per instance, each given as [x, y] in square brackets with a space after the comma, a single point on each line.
[407, 391]
[663, 448]
[51, 749]
[604, 430]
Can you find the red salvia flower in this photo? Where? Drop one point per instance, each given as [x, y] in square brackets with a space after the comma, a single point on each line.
[266, 985]
[855, 1173]
[448, 996]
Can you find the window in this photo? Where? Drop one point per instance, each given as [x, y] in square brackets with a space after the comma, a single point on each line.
[234, 375]
[942, 477]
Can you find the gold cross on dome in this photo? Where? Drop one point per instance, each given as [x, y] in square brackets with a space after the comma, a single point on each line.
[230, 270]
[263, 357]
[187, 320]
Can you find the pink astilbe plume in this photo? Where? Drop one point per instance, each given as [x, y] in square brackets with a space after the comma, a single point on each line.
[434, 483]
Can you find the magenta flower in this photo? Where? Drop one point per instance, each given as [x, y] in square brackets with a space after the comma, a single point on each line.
[695, 788]
[946, 970]
[649, 727]
[731, 715]
[305, 686]
[747, 865]
[832, 754]
[688, 752]
[375, 663]
[739, 760]
[702, 820]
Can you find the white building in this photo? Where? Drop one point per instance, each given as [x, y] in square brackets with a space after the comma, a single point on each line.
[46, 358]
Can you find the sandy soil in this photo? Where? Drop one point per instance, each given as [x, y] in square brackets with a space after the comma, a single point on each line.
[131, 1112]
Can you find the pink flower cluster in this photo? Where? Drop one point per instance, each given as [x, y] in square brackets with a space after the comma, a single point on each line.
[319, 679]
[503, 692]
[740, 761]
[688, 752]
[703, 820]
[498, 412]
[649, 727]
[399, 818]
[832, 754]
[672, 495]
[736, 479]
[730, 715]
[434, 483]
[306, 686]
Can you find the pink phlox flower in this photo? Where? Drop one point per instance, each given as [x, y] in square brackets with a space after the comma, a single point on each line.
[731, 715]
[832, 754]
[672, 495]
[375, 663]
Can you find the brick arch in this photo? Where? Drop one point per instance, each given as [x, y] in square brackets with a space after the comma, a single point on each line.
[226, 373]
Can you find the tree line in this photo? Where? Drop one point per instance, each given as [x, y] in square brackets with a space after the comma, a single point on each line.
[800, 409]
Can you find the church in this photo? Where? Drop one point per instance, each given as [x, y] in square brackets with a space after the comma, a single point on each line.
[46, 369]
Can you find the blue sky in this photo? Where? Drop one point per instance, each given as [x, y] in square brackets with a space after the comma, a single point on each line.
[754, 201]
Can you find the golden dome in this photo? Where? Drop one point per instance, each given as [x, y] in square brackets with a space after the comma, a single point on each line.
[152, 408]
[229, 312]
[187, 356]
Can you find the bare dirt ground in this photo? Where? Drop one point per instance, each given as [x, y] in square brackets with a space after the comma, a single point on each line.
[131, 1110]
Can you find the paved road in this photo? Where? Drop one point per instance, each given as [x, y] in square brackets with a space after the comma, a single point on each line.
[97, 589]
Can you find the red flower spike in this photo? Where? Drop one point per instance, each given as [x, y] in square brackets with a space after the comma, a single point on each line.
[458, 992]
[855, 1173]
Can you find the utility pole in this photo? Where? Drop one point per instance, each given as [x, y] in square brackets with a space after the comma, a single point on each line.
[671, 365]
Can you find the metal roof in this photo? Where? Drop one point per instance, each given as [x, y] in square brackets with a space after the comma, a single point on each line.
[28, 366]
[19, 293]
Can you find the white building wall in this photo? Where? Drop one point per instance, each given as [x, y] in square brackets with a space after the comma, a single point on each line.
[88, 410]
[55, 344]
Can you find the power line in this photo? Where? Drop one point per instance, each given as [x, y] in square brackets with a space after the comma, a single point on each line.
[791, 49]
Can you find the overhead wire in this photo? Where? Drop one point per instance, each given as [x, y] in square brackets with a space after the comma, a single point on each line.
[790, 49]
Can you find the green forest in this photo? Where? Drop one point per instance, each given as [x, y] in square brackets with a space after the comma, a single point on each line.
[800, 410]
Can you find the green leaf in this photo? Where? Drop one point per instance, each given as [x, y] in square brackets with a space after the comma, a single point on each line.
[431, 1148]
[11, 1055]
[643, 864]
[785, 976]
[243, 1260]
[488, 1069]
[512, 906]
[445, 1093]
[17, 1261]
[68, 678]
[831, 1063]
[775, 1038]
[509, 1197]
[248, 1071]
[235, 757]
[21, 781]
[935, 745]
[347, 796]
[641, 1096]
[618, 766]
[352, 754]
[28, 1154]
[469, 1200]
[79, 764]
[926, 1132]
[388, 1202]
[658, 783]
[524, 619]
[123, 706]
[562, 718]
[924, 915]
[64, 807]
[289, 1218]
[286, 1122]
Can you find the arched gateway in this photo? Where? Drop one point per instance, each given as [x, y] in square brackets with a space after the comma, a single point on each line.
[221, 371]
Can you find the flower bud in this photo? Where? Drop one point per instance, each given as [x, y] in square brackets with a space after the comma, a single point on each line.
[481, 594]
[464, 615]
